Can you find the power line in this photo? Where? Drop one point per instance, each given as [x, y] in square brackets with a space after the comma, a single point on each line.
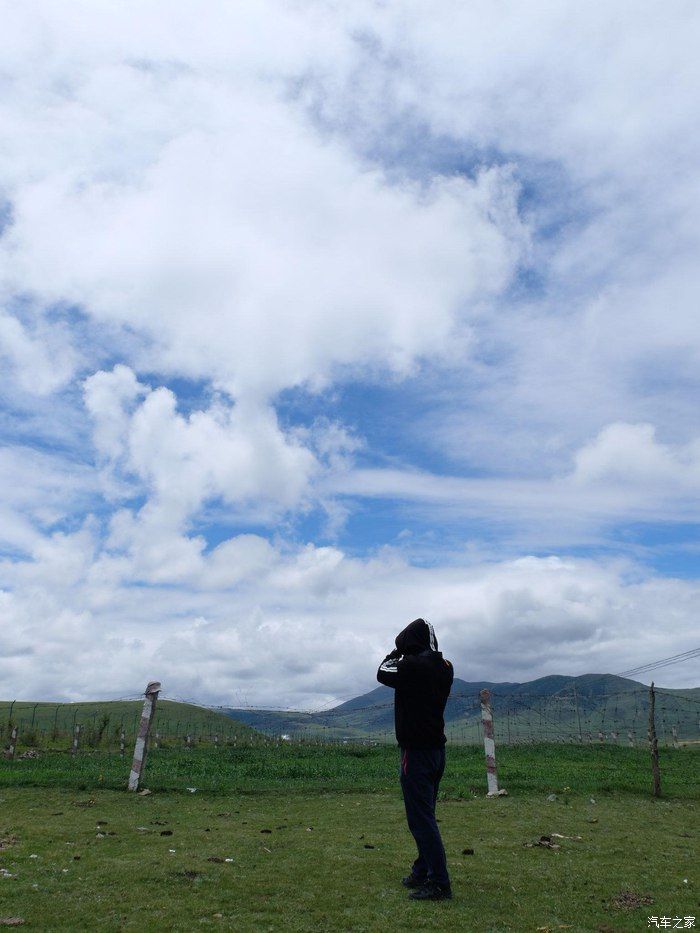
[663, 662]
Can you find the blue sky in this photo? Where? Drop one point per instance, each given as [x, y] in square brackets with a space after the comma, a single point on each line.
[317, 320]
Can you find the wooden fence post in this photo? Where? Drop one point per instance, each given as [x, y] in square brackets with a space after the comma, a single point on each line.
[141, 747]
[654, 744]
[578, 714]
[122, 742]
[489, 745]
[75, 745]
[13, 743]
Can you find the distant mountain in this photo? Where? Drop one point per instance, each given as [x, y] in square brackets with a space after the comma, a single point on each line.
[556, 708]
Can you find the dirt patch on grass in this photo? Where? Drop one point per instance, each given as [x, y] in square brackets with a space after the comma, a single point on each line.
[188, 874]
[629, 900]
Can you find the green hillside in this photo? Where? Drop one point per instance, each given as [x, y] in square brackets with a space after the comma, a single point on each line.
[555, 708]
[102, 723]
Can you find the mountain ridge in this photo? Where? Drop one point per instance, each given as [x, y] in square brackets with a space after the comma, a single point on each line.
[587, 702]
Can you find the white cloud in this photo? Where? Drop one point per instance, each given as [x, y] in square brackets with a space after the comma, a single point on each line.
[624, 473]
[593, 109]
[37, 491]
[236, 455]
[629, 454]
[198, 207]
[295, 195]
[42, 361]
[310, 625]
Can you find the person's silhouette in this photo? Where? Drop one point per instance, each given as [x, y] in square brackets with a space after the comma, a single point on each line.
[422, 680]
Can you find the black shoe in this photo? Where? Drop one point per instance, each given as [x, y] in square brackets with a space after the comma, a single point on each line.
[411, 881]
[432, 891]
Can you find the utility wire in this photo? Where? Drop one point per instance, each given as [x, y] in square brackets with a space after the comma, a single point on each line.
[663, 662]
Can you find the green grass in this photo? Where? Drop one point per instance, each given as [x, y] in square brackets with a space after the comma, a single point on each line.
[338, 844]
[539, 769]
[315, 872]
[52, 724]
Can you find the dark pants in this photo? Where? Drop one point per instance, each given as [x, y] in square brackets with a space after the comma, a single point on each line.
[421, 771]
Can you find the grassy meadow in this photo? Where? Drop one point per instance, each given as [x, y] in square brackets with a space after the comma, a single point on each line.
[304, 838]
[102, 722]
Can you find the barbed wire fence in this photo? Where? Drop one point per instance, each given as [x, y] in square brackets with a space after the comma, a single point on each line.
[570, 717]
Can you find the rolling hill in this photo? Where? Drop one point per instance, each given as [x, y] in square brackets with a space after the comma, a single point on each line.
[102, 722]
[555, 708]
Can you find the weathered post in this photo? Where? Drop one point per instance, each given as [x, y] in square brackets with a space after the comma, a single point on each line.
[141, 747]
[578, 714]
[489, 745]
[654, 744]
[216, 740]
[674, 733]
[13, 743]
[630, 739]
[76, 739]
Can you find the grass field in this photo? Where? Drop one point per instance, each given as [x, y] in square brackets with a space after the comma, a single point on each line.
[524, 769]
[102, 722]
[81, 854]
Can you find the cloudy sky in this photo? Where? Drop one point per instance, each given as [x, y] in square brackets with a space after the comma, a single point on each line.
[318, 317]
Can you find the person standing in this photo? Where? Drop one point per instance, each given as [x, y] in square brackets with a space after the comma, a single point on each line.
[421, 679]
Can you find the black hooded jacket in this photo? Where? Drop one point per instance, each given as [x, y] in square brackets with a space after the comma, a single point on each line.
[422, 679]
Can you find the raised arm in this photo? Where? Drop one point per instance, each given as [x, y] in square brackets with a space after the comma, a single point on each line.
[388, 673]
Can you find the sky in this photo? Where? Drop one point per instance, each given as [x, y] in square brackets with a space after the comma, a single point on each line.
[316, 318]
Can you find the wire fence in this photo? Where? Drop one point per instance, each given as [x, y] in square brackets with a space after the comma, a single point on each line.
[571, 716]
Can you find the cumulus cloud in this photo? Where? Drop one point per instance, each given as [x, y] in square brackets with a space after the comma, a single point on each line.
[630, 453]
[305, 626]
[481, 223]
[244, 246]
[234, 455]
[595, 117]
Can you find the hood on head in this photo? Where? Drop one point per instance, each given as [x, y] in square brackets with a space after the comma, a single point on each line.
[418, 636]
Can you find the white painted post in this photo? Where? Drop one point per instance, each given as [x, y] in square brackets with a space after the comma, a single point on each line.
[674, 733]
[141, 747]
[122, 742]
[13, 743]
[630, 739]
[76, 739]
[188, 740]
[156, 740]
[216, 740]
[489, 745]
